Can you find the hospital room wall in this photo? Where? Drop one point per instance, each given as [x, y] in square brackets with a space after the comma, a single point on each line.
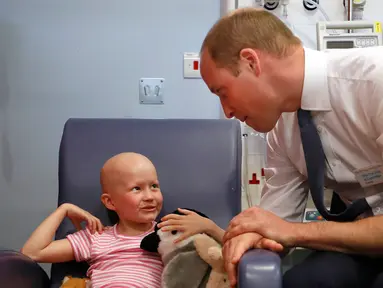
[61, 59]
[303, 24]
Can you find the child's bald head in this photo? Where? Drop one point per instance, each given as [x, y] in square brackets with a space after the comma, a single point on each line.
[121, 167]
[130, 187]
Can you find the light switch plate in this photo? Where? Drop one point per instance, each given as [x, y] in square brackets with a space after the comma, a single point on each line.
[152, 90]
[191, 65]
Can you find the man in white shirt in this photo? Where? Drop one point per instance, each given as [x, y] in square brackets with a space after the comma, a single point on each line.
[264, 77]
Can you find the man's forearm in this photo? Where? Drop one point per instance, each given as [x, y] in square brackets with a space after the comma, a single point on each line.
[362, 237]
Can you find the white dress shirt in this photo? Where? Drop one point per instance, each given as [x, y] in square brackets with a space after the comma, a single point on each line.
[344, 91]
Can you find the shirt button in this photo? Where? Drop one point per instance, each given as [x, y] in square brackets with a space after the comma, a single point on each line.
[376, 210]
[319, 129]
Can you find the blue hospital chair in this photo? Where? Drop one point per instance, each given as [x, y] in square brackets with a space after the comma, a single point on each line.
[199, 166]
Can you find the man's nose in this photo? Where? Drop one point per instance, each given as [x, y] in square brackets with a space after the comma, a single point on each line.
[228, 111]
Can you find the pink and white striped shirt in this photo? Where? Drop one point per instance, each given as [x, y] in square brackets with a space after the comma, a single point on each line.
[116, 260]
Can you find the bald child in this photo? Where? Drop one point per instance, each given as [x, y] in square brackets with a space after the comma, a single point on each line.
[130, 187]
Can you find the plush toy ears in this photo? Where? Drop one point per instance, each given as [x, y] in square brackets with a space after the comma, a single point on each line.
[215, 253]
[216, 258]
[150, 242]
[209, 250]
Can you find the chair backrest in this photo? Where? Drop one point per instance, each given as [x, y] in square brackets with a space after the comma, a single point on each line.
[198, 164]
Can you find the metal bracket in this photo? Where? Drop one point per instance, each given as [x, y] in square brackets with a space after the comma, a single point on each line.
[152, 90]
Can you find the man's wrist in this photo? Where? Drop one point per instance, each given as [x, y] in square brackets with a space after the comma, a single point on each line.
[298, 235]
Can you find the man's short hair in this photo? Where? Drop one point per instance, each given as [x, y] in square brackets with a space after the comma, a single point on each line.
[248, 28]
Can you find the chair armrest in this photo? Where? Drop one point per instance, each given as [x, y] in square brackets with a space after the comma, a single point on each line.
[260, 268]
[19, 271]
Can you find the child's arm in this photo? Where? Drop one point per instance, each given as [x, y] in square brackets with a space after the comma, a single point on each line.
[190, 224]
[40, 246]
[213, 230]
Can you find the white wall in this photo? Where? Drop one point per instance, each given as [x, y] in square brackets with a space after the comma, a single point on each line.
[303, 24]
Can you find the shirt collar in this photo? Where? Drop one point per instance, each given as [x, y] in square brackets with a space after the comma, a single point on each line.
[315, 94]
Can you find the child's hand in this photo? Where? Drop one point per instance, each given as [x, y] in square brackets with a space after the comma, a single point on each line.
[190, 224]
[78, 215]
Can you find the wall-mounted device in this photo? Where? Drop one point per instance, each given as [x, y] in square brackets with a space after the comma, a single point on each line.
[310, 5]
[271, 5]
[151, 90]
[338, 39]
[354, 9]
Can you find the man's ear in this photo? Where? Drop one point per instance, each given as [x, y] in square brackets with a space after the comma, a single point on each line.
[250, 58]
[105, 198]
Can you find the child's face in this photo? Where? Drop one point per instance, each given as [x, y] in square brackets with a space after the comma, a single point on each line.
[135, 194]
[139, 198]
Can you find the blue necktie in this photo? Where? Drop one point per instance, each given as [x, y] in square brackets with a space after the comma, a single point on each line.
[315, 162]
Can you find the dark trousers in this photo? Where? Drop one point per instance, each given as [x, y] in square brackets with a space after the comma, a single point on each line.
[323, 269]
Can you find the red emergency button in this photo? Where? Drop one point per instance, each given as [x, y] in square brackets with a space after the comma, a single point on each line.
[195, 65]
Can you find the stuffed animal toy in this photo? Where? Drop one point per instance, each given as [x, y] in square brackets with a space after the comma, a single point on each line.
[211, 252]
[74, 282]
[183, 267]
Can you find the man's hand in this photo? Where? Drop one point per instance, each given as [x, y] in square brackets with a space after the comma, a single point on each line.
[262, 222]
[235, 247]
